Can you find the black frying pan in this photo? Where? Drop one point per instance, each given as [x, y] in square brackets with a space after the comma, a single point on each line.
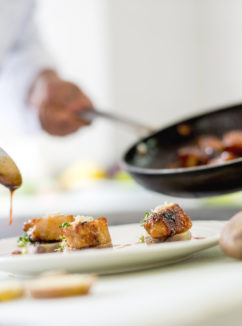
[150, 170]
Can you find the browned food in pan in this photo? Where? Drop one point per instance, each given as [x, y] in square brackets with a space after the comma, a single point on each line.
[232, 142]
[223, 157]
[46, 229]
[184, 129]
[209, 149]
[211, 145]
[166, 221]
[192, 156]
[83, 234]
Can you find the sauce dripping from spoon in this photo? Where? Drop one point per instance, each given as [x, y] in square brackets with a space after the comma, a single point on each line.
[11, 206]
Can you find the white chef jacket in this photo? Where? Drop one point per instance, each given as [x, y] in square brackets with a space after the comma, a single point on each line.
[22, 57]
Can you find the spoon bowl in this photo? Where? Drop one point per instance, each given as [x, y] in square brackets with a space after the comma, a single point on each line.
[10, 176]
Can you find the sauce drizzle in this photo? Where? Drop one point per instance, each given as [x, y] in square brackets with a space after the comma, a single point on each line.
[11, 206]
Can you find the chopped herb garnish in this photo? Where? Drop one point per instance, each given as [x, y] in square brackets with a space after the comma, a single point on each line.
[63, 244]
[147, 215]
[64, 225]
[142, 239]
[60, 249]
[23, 241]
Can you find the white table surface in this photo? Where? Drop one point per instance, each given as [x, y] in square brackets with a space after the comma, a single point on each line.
[203, 290]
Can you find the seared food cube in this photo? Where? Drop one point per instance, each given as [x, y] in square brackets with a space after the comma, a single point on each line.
[46, 229]
[232, 142]
[211, 145]
[89, 233]
[192, 156]
[166, 221]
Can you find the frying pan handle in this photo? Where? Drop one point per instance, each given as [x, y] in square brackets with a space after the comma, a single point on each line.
[90, 114]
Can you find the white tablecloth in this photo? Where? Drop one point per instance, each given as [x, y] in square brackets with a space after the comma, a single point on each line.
[203, 290]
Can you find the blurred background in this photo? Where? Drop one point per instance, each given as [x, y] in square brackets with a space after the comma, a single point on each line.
[154, 61]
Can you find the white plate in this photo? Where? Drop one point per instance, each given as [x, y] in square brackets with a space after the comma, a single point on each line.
[112, 260]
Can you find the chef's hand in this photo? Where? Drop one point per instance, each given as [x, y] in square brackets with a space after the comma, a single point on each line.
[56, 101]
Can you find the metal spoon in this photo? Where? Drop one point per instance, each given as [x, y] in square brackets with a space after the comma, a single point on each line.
[10, 175]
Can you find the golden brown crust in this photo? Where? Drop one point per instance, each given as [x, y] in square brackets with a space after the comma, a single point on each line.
[46, 229]
[87, 234]
[167, 221]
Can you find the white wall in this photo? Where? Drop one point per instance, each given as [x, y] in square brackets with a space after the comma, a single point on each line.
[75, 32]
